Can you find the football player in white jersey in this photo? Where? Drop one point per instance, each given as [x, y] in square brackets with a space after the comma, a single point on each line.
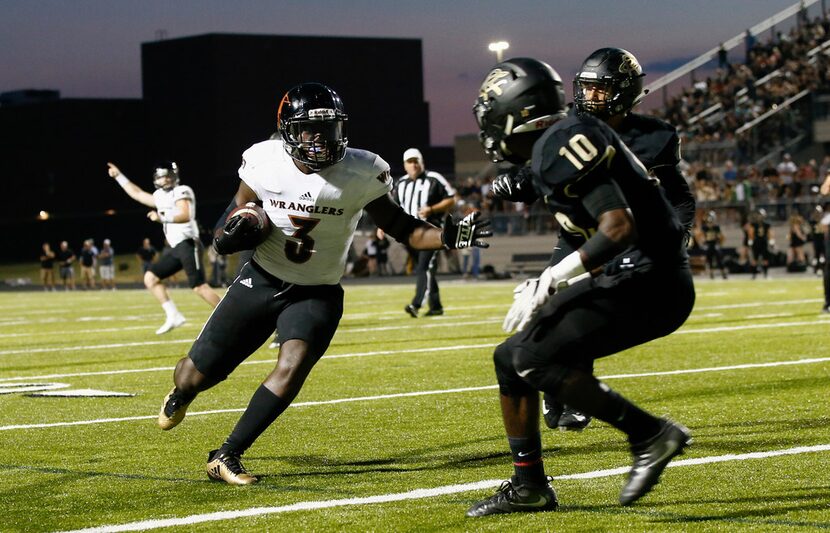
[313, 189]
[174, 206]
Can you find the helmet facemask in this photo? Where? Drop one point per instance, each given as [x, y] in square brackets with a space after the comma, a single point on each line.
[317, 142]
[166, 176]
[311, 121]
[613, 78]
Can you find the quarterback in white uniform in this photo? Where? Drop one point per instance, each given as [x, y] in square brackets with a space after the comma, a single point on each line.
[174, 206]
[313, 189]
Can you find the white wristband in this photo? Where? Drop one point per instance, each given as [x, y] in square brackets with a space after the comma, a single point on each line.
[122, 180]
[569, 267]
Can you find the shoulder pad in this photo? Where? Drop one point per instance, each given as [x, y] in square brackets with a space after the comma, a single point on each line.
[655, 142]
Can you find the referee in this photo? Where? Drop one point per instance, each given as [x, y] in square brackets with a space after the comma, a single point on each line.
[429, 196]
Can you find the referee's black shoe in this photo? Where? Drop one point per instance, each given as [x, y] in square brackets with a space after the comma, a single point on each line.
[651, 458]
[510, 498]
[411, 310]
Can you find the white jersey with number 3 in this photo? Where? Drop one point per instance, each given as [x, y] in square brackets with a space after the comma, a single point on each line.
[313, 216]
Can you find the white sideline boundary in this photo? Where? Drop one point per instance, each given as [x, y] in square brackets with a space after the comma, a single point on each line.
[422, 393]
[418, 494]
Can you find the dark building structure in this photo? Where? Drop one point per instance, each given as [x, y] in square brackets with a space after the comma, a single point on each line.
[205, 100]
[214, 95]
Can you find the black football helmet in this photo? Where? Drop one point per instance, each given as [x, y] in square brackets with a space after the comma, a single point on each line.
[519, 96]
[166, 175]
[614, 72]
[312, 123]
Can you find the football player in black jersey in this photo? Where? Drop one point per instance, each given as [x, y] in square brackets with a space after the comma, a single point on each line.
[578, 310]
[760, 240]
[608, 86]
[712, 237]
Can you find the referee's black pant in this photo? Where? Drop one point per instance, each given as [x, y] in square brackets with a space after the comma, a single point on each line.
[426, 284]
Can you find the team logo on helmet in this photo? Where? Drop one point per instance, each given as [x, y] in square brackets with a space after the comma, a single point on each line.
[493, 82]
[629, 65]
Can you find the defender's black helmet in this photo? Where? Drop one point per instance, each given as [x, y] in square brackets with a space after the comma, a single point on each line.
[614, 72]
[520, 96]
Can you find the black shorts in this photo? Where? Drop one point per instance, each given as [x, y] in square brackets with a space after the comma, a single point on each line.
[186, 255]
[603, 316]
[256, 303]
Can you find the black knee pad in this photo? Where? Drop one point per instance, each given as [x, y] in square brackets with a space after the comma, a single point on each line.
[510, 384]
[537, 371]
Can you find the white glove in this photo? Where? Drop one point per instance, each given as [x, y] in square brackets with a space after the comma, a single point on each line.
[522, 304]
[527, 303]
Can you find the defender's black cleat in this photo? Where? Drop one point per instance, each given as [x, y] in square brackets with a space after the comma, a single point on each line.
[651, 457]
[573, 420]
[227, 467]
[517, 499]
[551, 411]
[411, 310]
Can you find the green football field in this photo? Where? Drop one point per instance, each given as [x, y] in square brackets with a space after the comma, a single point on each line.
[398, 427]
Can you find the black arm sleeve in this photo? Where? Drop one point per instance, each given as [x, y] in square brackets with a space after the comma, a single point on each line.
[605, 195]
[392, 219]
[678, 193]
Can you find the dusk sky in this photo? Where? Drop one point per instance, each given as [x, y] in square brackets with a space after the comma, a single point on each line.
[91, 48]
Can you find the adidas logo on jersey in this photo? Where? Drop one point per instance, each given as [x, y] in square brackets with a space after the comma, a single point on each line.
[247, 282]
[307, 197]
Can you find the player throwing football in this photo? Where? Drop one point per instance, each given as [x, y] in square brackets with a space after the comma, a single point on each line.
[174, 206]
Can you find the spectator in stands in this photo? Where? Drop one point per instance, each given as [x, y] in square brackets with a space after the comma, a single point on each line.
[66, 259]
[47, 267]
[106, 261]
[786, 174]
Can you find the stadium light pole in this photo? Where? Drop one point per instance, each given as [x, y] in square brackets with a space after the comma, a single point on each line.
[498, 47]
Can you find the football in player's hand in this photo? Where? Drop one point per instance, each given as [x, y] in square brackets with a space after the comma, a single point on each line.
[255, 218]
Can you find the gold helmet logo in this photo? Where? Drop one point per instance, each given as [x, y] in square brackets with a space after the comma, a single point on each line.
[629, 65]
[492, 84]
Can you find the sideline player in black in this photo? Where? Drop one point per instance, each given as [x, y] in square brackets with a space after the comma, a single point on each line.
[314, 190]
[608, 85]
[760, 239]
[712, 237]
[606, 204]
[817, 238]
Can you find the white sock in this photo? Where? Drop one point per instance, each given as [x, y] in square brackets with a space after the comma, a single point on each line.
[170, 308]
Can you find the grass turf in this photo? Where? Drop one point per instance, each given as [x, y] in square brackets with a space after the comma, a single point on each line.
[391, 437]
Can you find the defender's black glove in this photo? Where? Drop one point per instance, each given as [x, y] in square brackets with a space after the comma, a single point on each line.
[516, 185]
[240, 233]
[467, 232]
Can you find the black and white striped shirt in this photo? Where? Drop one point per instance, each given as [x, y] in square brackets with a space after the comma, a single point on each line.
[427, 189]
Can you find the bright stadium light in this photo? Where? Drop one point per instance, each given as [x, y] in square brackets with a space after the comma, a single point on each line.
[498, 47]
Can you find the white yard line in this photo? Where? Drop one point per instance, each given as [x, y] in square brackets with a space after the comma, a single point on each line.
[422, 393]
[818, 320]
[419, 494]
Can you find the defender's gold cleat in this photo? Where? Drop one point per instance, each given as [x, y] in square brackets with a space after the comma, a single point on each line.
[228, 468]
[172, 411]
